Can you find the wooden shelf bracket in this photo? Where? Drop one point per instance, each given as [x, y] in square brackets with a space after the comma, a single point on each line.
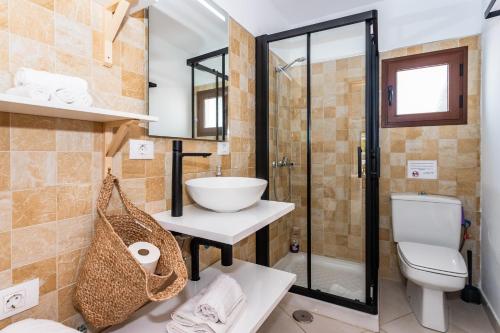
[113, 141]
[114, 15]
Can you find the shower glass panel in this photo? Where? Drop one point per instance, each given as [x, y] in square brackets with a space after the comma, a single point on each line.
[338, 127]
[287, 152]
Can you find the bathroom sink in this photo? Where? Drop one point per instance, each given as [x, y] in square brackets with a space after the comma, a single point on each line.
[226, 194]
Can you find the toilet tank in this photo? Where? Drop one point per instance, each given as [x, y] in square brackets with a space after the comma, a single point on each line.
[427, 219]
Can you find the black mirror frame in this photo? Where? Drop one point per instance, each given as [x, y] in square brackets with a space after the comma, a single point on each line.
[488, 13]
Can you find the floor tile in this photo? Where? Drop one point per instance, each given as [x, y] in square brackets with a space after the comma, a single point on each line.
[409, 324]
[279, 321]
[324, 324]
[393, 302]
[469, 317]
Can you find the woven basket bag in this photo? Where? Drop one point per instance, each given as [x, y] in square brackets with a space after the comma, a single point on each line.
[112, 284]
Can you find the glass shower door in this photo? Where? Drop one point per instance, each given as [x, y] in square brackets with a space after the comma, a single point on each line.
[337, 142]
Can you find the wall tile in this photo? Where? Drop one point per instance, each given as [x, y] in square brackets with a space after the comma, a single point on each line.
[74, 135]
[74, 168]
[4, 132]
[133, 85]
[105, 79]
[32, 207]
[4, 171]
[5, 251]
[4, 14]
[25, 52]
[75, 10]
[4, 48]
[73, 37]
[68, 267]
[33, 133]
[49, 4]
[5, 211]
[132, 59]
[45, 270]
[31, 21]
[33, 244]
[47, 309]
[69, 64]
[65, 303]
[75, 233]
[155, 189]
[33, 169]
[98, 48]
[73, 201]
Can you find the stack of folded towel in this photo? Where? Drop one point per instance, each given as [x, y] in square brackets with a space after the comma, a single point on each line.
[45, 86]
[213, 310]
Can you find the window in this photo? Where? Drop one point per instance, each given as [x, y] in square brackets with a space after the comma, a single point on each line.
[426, 89]
[208, 112]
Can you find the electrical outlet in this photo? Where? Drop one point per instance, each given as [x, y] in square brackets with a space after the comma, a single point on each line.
[223, 148]
[141, 150]
[19, 298]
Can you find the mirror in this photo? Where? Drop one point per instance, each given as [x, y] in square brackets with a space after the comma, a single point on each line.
[188, 69]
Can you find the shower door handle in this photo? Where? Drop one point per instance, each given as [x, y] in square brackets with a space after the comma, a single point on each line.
[360, 162]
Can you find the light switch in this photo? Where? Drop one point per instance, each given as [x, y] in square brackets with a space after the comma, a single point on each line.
[141, 150]
[223, 148]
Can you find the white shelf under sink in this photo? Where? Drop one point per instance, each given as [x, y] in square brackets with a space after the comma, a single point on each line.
[24, 105]
[264, 287]
[227, 228]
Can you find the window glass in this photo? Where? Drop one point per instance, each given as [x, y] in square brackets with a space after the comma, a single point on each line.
[210, 115]
[422, 90]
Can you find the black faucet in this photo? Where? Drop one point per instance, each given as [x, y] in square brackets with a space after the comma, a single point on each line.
[177, 176]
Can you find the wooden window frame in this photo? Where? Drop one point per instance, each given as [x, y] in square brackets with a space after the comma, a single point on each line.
[201, 96]
[456, 59]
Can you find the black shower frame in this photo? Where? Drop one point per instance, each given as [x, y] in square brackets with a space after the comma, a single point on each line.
[372, 157]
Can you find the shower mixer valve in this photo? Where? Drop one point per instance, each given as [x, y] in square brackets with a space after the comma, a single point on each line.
[284, 163]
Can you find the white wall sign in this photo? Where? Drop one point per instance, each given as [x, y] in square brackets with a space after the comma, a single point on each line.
[422, 170]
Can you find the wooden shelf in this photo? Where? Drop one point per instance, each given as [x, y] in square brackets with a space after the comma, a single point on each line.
[15, 104]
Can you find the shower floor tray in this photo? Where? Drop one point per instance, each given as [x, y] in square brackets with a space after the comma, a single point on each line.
[333, 276]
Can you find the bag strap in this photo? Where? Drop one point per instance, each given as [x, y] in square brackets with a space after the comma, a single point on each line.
[106, 191]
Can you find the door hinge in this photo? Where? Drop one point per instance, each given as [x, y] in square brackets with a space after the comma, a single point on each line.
[461, 69]
[372, 291]
[461, 101]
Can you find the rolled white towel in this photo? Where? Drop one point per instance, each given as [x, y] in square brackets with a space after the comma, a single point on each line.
[223, 295]
[73, 97]
[28, 76]
[34, 92]
[185, 321]
[37, 325]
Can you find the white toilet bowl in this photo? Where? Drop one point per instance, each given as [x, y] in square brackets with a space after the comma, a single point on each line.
[431, 271]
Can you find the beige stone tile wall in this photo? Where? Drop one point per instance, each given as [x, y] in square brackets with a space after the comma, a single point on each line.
[455, 147]
[51, 169]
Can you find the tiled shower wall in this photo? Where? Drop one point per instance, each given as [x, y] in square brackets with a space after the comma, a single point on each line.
[338, 201]
[51, 169]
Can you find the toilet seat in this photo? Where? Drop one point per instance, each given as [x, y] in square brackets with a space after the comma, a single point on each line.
[433, 259]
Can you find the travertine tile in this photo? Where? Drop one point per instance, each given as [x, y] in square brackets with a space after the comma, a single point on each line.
[30, 207]
[73, 234]
[5, 279]
[4, 48]
[47, 309]
[73, 37]
[74, 168]
[4, 15]
[33, 169]
[49, 4]
[132, 59]
[156, 166]
[4, 131]
[155, 189]
[45, 270]
[4, 171]
[25, 52]
[32, 133]
[65, 303]
[5, 211]
[133, 85]
[68, 267]
[75, 10]
[105, 79]
[74, 135]
[5, 250]
[133, 168]
[73, 201]
[31, 21]
[135, 189]
[33, 244]
[69, 64]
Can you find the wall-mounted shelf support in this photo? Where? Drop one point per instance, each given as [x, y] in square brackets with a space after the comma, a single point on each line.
[113, 141]
[114, 15]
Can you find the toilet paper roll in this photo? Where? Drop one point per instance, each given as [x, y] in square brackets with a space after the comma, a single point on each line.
[146, 254]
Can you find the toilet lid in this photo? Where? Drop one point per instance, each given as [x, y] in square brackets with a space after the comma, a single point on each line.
[436, 259]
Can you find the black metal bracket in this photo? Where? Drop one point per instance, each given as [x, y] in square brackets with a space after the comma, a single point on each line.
[225, 249]
[489, 13]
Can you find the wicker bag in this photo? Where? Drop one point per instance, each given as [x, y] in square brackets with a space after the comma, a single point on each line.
[112, 284]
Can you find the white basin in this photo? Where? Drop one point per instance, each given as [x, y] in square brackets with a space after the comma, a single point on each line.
[226, 194]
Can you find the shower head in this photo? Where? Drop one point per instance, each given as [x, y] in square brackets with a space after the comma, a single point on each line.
[287, 66]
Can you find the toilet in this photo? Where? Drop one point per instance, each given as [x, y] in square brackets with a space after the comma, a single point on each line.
[427, 229]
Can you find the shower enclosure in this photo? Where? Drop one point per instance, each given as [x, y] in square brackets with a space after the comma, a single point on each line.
[317, 144]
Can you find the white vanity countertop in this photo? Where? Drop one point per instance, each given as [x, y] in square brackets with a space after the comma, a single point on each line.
[264, 287]
[227, 228]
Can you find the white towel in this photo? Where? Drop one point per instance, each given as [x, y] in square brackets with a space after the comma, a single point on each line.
[34, 92]
[223, 295]
[185, 321]
[73, 97]
[37, 325]
[51, 81]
